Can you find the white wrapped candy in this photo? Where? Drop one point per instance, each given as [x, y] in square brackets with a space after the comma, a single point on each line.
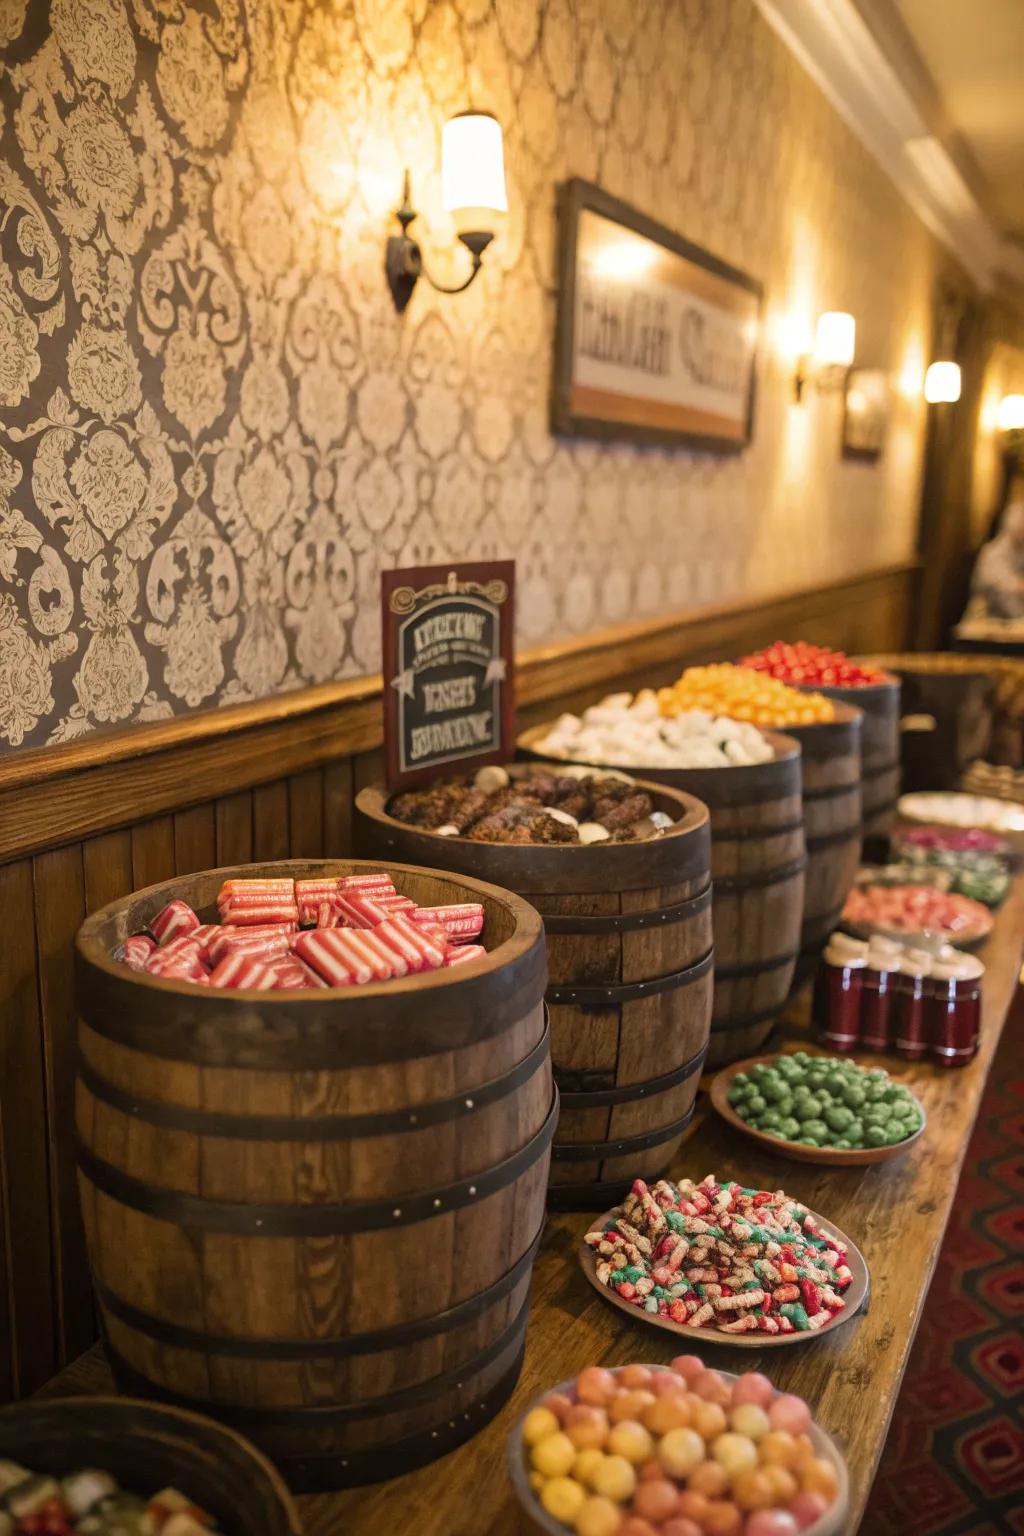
[627, 731]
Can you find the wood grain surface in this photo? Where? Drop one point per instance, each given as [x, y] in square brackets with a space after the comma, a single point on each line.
[897, 1213]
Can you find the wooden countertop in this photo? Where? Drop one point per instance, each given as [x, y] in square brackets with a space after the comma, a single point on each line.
[896, 1213]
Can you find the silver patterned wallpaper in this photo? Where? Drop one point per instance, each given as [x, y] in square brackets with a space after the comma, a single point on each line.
[214, 429]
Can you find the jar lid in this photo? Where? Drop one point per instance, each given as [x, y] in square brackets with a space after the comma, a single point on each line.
[962, 968]
[844, 957]
[844, 943]
[917, 962]
[886, 948]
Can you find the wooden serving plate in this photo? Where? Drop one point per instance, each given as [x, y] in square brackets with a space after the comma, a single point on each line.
[855, 1295]
[795, 1151]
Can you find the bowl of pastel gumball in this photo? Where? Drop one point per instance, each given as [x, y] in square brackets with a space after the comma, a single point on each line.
[679, 1450]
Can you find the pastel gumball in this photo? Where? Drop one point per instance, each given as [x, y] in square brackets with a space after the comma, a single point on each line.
[595, 1385]
[629, 1438]
[806, 1508]
[751, 1420]
[615, 1479]
[752, 1387]
[709, 1419]
[635, 1376]
[783, 1483]
[563, 1498]
[558, 1404]
[630, 1405]
[710, 1480]
[692, 1506]
[778, 1448]
[753, 1490]
[790, 1413]
[680, 1451]
[679, 1525]
[656, 1499]
[687, 1366]
[598, 1517]
[735, 1453]
[667, 1413]
[586, 1426]
[772, 1522]
[819, 1476]
[539, 1423]
[554, 1455]
[667, 1384]
[710, 1387]
[635, 1525]
[723, 1519]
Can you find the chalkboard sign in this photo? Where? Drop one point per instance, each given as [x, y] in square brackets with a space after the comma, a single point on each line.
[449, 668]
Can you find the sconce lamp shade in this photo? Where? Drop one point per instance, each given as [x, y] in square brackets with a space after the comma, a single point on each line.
[835, 339]
[942, 383]
[1011, 413]
[473, 170]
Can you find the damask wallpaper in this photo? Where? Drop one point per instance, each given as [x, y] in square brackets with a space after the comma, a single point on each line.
[216, 430]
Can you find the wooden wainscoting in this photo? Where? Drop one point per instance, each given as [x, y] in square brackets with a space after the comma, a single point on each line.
[82, 823]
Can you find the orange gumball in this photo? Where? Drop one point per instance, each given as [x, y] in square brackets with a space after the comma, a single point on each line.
[803, 1453]
[636, 1525]
[635, 1376]
[753, 1490]
[656, 1499]
[783, 1484]
[777, 1448]
[694, 1506]
[711, 1388]
[667, 1413]
[667, 1384]
[819, 1476]
[709, 1479]
[650, 1469]
[595, 1386]
[722, 1518]
[709, 1420]
[586, 1426]
[630, 1405]
[558, 1404]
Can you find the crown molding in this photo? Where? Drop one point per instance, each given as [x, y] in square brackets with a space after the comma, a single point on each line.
[886, 96]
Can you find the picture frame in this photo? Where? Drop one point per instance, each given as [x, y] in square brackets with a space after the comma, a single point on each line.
[656, 338]
[867, 407]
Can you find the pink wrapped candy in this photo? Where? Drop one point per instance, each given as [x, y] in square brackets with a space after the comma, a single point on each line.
[462, 921]
[175, 919]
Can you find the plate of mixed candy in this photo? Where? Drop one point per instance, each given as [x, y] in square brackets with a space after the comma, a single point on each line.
[739, 1266]
[649, 1450]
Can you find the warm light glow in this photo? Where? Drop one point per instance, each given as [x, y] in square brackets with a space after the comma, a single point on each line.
[942, 383]
[1011, 413]
[791, 334]
[624, 259]
[473, 170]
[835, 339]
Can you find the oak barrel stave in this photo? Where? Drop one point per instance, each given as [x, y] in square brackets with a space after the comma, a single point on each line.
[833, 824]
[629, 942]
[758, 860]
[880, 748]
[291, 1247]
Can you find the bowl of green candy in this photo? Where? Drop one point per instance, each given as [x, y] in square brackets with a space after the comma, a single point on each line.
[819, 1109]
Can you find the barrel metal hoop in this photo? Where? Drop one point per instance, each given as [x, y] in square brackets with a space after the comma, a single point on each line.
[322, 1415]
[589, 1151]
[755, 967]
[764, 877]
[236, 1347]
[259, 1220]
[627, 922]
[757, 834]
[583, 1098]
[748, 1020]
[629, 991]
[320, 1472]
[875, 770]
[833, 791]
[830, 839]
[201, 1122]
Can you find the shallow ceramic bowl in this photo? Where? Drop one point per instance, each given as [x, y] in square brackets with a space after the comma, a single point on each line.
[537, 1522]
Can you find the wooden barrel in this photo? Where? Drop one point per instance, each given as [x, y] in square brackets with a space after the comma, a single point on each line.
[949, 700]
[629, 967]
[758, 862]
[314, 1214]
[880, 749]
[833, 824]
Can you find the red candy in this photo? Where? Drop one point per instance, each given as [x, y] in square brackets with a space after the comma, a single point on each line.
[367, 883]
[137, 950]
[325, 954]
[421, 952]
[361, 911]
[812, 664]
[176, 919]
[238, 971]
[263, 945]
[462, 921]
[267, 912]
[460, 953]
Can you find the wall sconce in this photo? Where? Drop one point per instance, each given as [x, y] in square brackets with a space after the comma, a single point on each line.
[472, 190]
[1011, 414]
[942, 383]
[835, 340]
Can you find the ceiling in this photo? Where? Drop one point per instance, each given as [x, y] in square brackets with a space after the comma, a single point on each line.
[974, 51]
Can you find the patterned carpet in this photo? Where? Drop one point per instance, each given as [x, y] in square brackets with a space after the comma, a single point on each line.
[954, 1461]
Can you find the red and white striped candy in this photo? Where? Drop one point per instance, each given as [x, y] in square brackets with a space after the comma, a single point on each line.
[319, 949]
[316, 890]
[247, 915]
[205, 936]
[175, 919]
[371, 962]
[263, 946]
[462, 921]
[271, 886]
[389, 954]
[366, 883]
[289, 972]
[433, 931]
[418, 949]
[460, 953]
[361, 911]
[238, 971]
[135, 951]
[180, 967]
[187, 946]
[395, 903]
[327, 914]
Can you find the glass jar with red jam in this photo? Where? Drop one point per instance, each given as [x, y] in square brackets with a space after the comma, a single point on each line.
[878, 994]
[838, 993]
[912, 1002]
[954, 1010]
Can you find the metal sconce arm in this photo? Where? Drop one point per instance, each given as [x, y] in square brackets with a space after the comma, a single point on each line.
[404, 262]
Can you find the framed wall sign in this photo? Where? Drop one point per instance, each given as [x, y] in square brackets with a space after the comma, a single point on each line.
[867, 405]
[656, 339]
[449, 668]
